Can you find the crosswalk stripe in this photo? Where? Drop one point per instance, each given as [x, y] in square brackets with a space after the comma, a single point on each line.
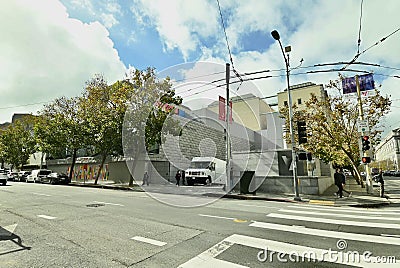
[327, 233]
[339, 215]
[208, 258]
[333, 221]
[359, 211]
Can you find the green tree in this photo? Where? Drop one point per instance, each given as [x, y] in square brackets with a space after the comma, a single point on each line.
[145, 124]
[332, 124]
[17, 142]
[103, 108]
[59, 127]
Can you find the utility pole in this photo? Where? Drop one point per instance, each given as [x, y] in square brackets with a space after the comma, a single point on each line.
[361, 114]
[227, 136]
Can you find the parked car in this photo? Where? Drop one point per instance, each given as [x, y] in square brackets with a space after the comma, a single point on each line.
[11, 175]
[38, 175]
[56, 178]
[23, 174]
[3, 179]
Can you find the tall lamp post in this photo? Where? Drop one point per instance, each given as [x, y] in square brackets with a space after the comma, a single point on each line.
[276, 36]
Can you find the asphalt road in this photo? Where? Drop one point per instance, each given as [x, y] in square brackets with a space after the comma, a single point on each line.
[65, 226]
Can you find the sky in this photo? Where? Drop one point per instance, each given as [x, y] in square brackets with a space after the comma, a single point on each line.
[50, 48]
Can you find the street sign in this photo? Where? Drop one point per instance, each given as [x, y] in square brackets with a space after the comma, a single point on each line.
[363, 126]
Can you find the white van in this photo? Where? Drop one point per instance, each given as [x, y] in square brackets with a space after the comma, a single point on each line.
[206, 170]
[37, 175]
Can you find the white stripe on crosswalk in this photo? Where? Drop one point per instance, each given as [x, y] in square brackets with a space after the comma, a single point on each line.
[208, 258]
[326, 233]
[339, 215]
[333, 221]
[348, 210]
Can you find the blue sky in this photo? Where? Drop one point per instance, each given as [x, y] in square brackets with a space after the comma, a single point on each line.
[50, 48]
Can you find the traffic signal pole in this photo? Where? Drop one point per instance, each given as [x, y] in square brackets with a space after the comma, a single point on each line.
[363, 153]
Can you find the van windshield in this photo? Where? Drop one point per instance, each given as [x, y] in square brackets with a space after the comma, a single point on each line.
[200, 165]
[44, 172]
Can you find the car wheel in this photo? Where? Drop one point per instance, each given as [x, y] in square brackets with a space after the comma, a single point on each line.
[4, 183]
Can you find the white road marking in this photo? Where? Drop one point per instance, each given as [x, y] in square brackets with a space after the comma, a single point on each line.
[346, 210]
[42, 194]
[332, 221]
[208, 258]
[105, 203]
[339, 215]
[257, 206]
[217, 217]
[149, 241]
[327, 233]
[47, 217]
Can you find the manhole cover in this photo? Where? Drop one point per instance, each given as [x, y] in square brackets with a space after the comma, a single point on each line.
[95, 205]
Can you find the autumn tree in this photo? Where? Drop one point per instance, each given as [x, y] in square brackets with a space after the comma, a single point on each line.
[60, 127]
[332, 125]
[17, 142]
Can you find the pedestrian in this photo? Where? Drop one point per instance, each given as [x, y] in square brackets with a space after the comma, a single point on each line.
[382, 182]
[146, 179]
[177, 177]
[339, 177]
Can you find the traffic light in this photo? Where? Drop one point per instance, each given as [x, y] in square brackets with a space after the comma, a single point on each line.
[302, 131]
[366, 159]
[365, 143]
[309, 156]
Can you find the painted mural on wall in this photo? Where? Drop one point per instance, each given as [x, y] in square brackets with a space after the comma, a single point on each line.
[88, 172]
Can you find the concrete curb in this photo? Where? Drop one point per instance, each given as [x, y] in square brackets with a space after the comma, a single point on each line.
[316, 200]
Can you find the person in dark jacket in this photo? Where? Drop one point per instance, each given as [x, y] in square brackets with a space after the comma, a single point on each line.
[382, 182]
[177, 177]
[339, 178]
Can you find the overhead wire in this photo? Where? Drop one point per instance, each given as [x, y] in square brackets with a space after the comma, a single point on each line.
[227, 44]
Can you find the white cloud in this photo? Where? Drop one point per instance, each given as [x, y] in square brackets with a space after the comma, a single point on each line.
[45, 54]
[179, 23]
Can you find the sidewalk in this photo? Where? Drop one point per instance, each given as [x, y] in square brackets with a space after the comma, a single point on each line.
[359, 197]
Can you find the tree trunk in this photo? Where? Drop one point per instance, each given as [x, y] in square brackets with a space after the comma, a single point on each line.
[72, 164]
[103, 160]
[358, 176]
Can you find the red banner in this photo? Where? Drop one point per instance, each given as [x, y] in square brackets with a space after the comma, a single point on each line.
[222, 109]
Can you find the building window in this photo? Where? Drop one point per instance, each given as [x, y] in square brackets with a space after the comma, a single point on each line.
[298, 101]
[285, 103]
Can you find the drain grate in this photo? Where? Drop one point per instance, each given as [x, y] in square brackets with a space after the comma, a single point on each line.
[95, 205]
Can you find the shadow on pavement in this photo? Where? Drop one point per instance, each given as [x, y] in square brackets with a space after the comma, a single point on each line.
[6, 235]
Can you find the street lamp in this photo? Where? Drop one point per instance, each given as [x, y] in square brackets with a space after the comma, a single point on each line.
[276, 36]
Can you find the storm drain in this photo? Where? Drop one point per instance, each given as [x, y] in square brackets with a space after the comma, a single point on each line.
[95, 205]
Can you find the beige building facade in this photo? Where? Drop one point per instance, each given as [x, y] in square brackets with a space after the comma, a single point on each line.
[301, 93]
[387, 151]
[248, 110]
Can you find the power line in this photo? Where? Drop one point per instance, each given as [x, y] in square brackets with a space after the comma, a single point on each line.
[227, 44]
[365, 50]
[23, 105]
